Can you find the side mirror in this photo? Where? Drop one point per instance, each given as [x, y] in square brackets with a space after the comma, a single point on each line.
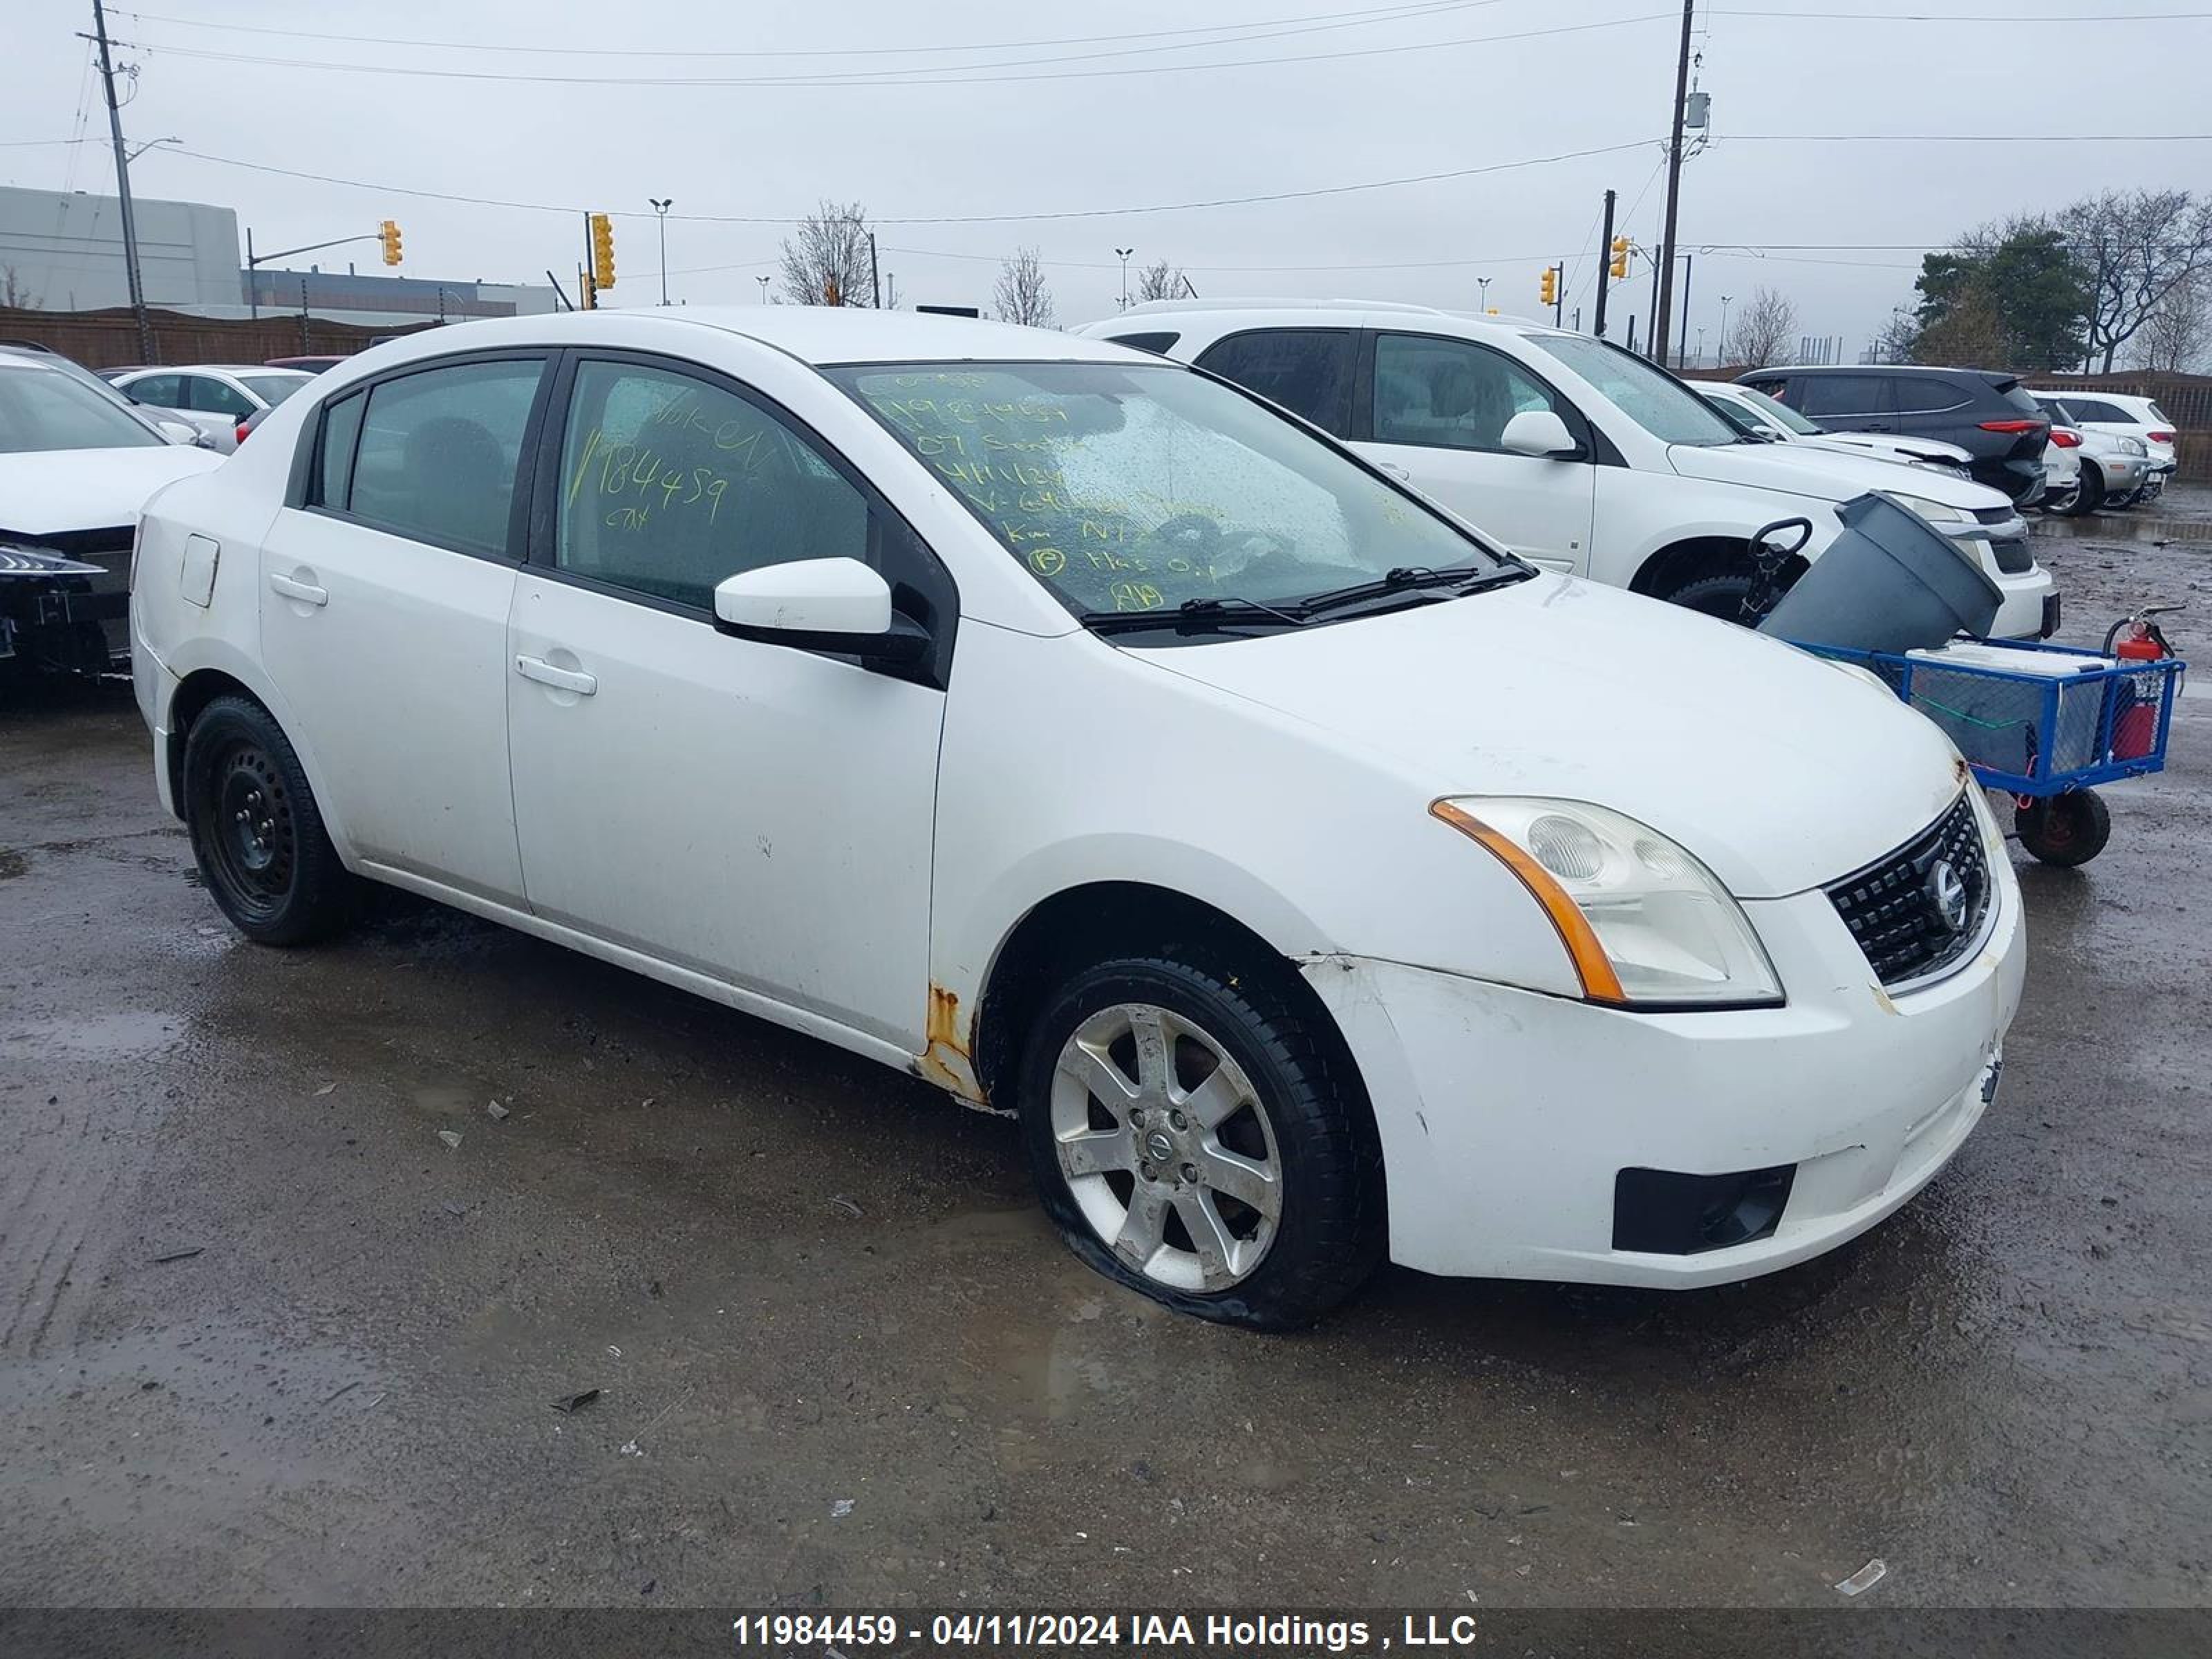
[179, 432]
[1540, 433]
[819, 605]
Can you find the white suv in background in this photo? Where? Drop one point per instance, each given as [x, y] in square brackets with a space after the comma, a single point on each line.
[2119, 415]
[1578, 455]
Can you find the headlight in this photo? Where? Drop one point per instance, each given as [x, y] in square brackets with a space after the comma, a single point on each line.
[1934, 511]
[1643, 922]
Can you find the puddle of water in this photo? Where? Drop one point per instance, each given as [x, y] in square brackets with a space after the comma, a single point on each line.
[119, 1036]
[2100, 527]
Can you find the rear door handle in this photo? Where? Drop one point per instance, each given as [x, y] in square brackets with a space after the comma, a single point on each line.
[292, 588]
[565, 679]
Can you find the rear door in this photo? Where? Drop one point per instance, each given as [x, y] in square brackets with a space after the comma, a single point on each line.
[1434, 411]
[1308, 371]
[386, 581]
[1846, 402]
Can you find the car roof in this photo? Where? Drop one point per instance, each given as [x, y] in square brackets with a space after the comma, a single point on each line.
[1262, 312]
[817, 335]
[213, 369]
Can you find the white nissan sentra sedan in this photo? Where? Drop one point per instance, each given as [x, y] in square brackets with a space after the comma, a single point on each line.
[1077, 732]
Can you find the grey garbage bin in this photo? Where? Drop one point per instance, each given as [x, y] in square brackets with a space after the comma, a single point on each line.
[1890, 582]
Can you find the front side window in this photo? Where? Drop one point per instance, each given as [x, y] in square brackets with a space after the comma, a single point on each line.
[1833, 396]
[1135, 488]
[2090, 409]
[670, 486]
[438, 452]
[1449, 394]
[1307, 370]
[273, 389]
[1651, 398]
[209, 395]
[43, 409]
[1772, 412]
[156, 391]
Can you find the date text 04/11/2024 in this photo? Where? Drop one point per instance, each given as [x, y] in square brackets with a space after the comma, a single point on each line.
[1243, 1632]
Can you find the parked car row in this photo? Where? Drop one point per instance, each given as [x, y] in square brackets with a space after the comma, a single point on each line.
[217, 399]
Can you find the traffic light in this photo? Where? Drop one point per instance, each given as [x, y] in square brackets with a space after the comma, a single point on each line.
[603, 250]
[1549, 293]
[1619, 258]
[388, 234]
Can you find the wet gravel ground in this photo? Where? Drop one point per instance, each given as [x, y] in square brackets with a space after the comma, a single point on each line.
[266, 1338]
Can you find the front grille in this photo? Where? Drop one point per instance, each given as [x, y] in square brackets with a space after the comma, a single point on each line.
[1992, 514]
[1892, 908]
[2015, 556]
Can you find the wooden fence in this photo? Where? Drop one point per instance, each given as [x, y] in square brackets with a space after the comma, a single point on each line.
[109, 339]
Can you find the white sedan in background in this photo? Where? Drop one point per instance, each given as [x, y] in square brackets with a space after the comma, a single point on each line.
[216, 398]
[1083, 735]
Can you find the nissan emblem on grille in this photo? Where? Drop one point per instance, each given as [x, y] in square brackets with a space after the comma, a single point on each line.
[1919, 911]
[1949, 893]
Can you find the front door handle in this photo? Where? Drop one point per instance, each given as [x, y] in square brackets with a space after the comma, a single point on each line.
[292, 588]
[565, 679]
[1395, 471]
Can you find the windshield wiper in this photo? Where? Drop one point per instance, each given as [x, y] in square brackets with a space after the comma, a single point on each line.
[1406, 579]
[1193, 616]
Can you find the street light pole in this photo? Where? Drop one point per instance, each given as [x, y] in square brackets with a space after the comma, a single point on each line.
[1124, 252]
[660, 206]
[763, 281]
[1482, 284]
[123, 189]
[1720, 346]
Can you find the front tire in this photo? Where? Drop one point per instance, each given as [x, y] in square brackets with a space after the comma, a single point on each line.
[256, 831]
[1198, 1137]
[1721, 595]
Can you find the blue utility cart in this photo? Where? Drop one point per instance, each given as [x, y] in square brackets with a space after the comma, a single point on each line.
[2043, 722]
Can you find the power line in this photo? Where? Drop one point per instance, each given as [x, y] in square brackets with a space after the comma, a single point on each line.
[1313, 24]
[939, 219]
[2005, 18]
[952, 76]
[1965, 138]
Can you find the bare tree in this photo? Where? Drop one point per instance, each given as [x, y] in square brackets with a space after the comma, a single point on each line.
[825, 262]
[1160, 282]
[1761, 330]
[2136, 247]
[1894, 341]
[13, 293]
[2177, 333]
[1021, 296]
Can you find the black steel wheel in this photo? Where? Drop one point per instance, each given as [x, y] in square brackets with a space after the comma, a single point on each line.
[256, 831]
[2066, 829]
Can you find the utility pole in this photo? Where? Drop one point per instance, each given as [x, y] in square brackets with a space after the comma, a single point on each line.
[875, 277]
[123, 188]
[1559, 294]
[660, 206]
[1666, 312]
[1689, 261]
[253, 288]
[1604, 267]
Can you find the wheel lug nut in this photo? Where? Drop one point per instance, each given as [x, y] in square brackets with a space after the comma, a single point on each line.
[1190, 1173]
[1137, 1117]
[1149, 1172]
[1178, 1119]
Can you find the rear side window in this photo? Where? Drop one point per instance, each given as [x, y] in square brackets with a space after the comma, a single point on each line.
[1845, 394]
[334, 464]
[1154, 343]
[1925, 394]
[2091, 408]
[438, 450]
[670, 484]
[209, 395]
[2161, 416]
[1307, 370]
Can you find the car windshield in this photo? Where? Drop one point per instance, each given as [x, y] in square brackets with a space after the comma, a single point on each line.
[273, 389]
[43, 409]
[1135, 488]
[1655, 401]
[1773, 411]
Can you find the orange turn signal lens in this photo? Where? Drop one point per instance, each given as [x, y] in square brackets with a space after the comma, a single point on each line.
[1592, 966]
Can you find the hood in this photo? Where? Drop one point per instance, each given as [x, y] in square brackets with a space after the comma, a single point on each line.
[53, 492]
[1828, 475]
[1918, 449]
[1780, 771]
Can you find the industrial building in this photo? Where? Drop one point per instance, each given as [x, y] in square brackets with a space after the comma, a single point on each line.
[63, 251]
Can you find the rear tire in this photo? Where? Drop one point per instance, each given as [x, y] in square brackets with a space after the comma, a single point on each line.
[1198, 1137]
[256, 831]
[2065, 830]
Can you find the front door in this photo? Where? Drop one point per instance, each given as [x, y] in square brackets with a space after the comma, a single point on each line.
[385, 596]
[1440, 409]
[759, 814]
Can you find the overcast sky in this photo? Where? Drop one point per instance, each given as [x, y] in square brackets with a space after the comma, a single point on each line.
[1384, 91]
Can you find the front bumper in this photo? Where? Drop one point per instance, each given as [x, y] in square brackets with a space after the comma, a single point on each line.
[1508, 1117]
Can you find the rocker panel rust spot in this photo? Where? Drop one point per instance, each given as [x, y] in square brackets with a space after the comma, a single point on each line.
[946, 1061]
